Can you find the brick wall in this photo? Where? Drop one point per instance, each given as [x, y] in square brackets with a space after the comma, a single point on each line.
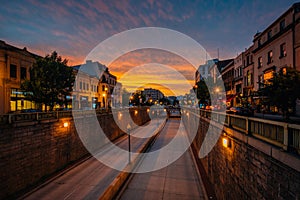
[33, 152]
[248, 169]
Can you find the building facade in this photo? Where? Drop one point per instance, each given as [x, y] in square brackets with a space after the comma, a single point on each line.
[275, 48]
[249, 72]
[94, 86]
[15, 64]
[152, 95]
[227, 71]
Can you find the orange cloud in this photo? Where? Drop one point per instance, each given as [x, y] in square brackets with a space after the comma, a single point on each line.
[153, 68]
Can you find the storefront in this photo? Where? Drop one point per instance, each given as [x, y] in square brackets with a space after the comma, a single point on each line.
[19, 101]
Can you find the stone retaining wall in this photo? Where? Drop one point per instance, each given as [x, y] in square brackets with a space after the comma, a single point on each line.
[32, 152]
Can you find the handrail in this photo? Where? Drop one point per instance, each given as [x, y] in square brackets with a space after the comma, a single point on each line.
[38, 116]
[281, 134]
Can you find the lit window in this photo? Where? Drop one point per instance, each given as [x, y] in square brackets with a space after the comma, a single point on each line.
[282, 50]
[260, 62]
[270, 57]
[249, 78]
[268, 75]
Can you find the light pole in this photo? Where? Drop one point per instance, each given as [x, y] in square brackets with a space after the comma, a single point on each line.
[129, 148]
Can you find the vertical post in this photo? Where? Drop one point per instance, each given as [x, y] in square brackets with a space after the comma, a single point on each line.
[285, 137]
[247, 125]
[129, 147]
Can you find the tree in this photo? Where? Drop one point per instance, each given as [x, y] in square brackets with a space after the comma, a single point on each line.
[51, 80]
[283, 90]
[137, 98]
[202, 92]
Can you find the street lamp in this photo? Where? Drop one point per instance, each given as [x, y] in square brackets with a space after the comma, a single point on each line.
[129, 148]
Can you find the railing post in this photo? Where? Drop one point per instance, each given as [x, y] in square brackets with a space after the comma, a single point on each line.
[9, 118]
[247, 125]
[285, 137]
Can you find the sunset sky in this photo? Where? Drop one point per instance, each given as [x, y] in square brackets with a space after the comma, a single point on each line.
[74, 28]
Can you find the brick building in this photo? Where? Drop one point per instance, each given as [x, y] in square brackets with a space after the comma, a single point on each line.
[14, 68]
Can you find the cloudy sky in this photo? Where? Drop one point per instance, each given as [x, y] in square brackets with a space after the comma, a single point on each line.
[74, 28]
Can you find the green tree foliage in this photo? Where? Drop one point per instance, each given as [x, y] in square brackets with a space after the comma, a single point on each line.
[51, 80]
[138, 98]
[207, 89]
[202, 93]
[283, 90]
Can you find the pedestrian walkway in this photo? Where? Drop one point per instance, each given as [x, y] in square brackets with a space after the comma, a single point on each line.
[178, 180]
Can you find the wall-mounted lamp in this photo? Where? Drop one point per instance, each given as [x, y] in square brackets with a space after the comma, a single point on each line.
[135, 112]
[66, 124]
[226, 142]
[148, 110]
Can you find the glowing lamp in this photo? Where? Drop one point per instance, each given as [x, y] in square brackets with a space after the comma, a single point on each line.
[66, 124]
[136, 112]
[226, 142]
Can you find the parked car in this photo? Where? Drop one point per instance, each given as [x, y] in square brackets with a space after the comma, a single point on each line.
[240, 111]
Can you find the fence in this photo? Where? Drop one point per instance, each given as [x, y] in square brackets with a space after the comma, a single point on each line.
[281, 134]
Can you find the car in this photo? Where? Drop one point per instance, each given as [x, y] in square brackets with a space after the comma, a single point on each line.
[174, 113]
[240, 111]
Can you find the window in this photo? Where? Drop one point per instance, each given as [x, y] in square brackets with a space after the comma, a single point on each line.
[83, 85]
[268, 75]
[13, 71]
[80, 85]
[270, 57]
[249, 78]
[103, 88]
[282, 25]
[269, 34]
[260, 62]
[23, 73]
[259, 42]
[87, 86]
[282, 50]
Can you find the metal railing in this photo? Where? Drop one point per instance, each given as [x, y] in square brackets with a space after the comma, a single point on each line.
[281, 134]
[39, 116]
